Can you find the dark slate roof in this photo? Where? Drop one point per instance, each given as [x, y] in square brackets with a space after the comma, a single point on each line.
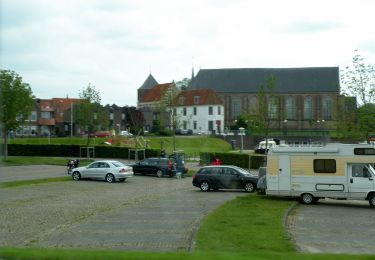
[288, 80]
[149, 83]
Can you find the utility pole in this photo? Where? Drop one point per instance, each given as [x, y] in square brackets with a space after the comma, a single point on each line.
[71, 119]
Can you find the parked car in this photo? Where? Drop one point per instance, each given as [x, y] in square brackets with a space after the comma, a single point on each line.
[109, 171]
[224, 177]
[125, 133]
[101, 134]
[159, 167]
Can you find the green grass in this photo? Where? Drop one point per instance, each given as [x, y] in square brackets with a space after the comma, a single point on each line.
[12, 184]
[191, 145]
[246, 224]
[26, 160]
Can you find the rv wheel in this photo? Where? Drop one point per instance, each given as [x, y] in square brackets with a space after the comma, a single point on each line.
[372, 200]
[307, 198]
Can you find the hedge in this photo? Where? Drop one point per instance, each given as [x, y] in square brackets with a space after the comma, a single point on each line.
[73, 151]
[239, 159]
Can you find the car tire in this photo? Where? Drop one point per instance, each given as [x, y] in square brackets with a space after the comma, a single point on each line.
[76, 176]
[204, 186]
[159, 173]
[110, 178]
[249, 187]
[307, 198]
[122, 179]
[371, 200]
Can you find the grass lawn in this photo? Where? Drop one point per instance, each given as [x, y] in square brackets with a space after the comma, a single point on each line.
[247, 227]
[12, 184]
[191, 145]
[26, 160]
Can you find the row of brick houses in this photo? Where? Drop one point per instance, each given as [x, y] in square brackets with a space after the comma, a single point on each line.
[305, 98]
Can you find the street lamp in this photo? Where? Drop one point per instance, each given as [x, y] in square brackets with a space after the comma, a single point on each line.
[285, 127]
[71, 119]
[119, 128]
[242, 132]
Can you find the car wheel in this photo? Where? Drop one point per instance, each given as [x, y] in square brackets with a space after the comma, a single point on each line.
[249, 187]
[76, 176]
[109, 177]
[159, 173]
[122, 179]
[307, 198]
[204, 186]
[372, 200]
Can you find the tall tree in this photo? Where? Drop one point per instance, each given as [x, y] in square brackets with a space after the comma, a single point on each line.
[16, 100]
[366, 117]
[359, 80]
[89, 113]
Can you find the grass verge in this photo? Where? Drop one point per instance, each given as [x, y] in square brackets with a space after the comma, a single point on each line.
[12, 184]
[26, 160]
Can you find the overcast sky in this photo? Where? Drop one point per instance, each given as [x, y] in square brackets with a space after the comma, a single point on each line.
[59, 47]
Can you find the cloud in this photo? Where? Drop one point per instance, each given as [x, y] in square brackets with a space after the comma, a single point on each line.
[312, 27]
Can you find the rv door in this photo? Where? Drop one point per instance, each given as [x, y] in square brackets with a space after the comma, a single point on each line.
[360, 180]
[284, 174]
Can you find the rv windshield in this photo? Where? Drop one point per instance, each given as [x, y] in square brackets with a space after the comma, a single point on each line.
[371, 168]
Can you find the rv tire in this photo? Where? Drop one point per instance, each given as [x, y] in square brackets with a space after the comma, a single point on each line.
[371, 200]
[307, 198]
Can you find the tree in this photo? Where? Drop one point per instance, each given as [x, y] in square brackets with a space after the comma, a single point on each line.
[260, 121]
[183, 84]
[359, 79]
[366, 117]
[89, 113]
[16, 100]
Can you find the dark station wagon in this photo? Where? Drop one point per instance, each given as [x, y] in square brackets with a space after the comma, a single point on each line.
[224, 177]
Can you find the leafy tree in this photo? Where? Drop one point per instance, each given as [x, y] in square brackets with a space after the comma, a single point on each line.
[16, 100]
[89, 113]
[366, 117]
[183, 84]
[359, 79]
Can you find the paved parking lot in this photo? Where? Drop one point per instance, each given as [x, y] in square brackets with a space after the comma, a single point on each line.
[144, 213]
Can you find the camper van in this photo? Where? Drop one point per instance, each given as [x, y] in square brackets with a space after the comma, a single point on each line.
[340, 171]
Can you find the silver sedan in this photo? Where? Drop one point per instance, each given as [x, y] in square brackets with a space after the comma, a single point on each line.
[109, 171]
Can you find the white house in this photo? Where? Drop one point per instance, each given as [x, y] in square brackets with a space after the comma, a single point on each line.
[201, 110]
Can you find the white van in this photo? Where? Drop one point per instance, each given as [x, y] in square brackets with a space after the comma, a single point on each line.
[341, 171]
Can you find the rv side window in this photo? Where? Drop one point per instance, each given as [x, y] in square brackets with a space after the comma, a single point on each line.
[364, 151]
[324, 165]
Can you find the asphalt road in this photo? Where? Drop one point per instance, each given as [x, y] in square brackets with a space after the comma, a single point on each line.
[333, 226]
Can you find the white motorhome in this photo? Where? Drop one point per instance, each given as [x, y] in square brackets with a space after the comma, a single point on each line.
[341, 171]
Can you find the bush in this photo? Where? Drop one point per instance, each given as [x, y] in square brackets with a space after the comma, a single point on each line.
[238, 159]
[73, 151]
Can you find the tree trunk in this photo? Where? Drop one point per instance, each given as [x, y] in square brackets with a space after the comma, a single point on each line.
[5, 143]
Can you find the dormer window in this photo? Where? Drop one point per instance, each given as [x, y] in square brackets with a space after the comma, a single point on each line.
[197, 100]
[181, 100]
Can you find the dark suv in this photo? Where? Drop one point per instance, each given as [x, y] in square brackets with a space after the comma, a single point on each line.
[159, 167]
[224, 177]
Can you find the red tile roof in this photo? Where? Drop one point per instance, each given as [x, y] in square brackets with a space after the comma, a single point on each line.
[206, 97]
[156, 93]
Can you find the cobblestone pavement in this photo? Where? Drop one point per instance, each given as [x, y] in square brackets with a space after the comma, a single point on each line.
[144, 213]
[333, 226]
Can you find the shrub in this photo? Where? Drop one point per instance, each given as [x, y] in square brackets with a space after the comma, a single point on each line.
[239, 159]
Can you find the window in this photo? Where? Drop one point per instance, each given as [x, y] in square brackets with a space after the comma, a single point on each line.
[123, 116]
[174, 111]
[111, 116]
[236, 107]
[197, 100]
[307, 108]
[195, 125]
[181, 100]
[33, 116]
[210, 110]
[290, 111]
[324, 165]
[364, 151]
[327, 108]
[184, 124]
[184, 111]
[219, 110]
[46, 115]
[361, 171]
[210, 125]
[195, 111]
[272, 108]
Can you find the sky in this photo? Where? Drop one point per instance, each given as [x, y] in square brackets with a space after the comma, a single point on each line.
[59, 47]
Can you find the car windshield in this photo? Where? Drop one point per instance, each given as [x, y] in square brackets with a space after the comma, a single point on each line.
[118, 164]
[242, 171]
